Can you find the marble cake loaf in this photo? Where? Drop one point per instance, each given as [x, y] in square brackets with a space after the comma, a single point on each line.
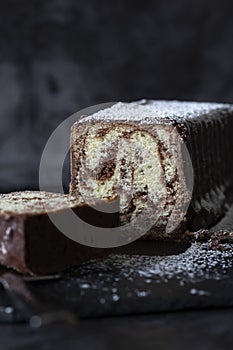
[30, 243]
[168, 158]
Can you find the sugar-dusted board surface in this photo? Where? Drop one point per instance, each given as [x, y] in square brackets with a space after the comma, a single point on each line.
[145, 277]
[124, 284]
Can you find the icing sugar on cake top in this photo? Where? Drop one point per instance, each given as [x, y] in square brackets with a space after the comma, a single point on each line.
[151, 110]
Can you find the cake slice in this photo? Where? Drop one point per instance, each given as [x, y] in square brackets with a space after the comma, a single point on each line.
[170, 159]
[31, 243]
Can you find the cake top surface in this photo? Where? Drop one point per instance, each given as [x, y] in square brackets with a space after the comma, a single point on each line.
[35, 202]
[151, 111]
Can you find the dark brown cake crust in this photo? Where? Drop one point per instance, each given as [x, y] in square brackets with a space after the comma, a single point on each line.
[31, 244]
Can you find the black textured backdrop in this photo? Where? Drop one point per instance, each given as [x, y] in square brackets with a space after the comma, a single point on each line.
[58, 56]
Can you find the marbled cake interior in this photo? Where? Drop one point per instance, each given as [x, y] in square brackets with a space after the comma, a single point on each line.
[141, 166]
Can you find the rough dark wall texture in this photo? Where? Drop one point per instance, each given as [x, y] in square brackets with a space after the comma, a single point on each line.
[59, 56]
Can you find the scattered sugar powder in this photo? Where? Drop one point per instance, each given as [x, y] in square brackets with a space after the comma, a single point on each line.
[137, 274]
[196, 263]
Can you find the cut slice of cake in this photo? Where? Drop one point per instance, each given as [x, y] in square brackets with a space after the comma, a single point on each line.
[31, 243]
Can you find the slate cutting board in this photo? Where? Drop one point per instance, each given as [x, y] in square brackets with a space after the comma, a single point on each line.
[144, 277]
[119, 285]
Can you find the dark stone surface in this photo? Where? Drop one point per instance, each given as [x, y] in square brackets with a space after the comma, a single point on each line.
[83, 291]
[91, 290]
[179, 330]
[130, 285]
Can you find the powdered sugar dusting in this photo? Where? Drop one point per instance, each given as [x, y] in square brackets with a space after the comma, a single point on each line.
[137, 275]
[195, 263]
[152, 111]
